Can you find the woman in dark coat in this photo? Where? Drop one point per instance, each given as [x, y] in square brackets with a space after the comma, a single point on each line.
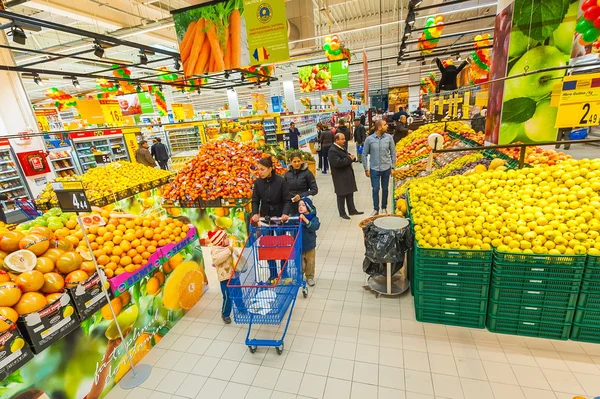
[344, 181]
[300, 181]
[326, 141]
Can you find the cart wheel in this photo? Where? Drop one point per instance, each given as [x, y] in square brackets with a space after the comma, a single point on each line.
[279, 349]
[252, 348]
[305, 292]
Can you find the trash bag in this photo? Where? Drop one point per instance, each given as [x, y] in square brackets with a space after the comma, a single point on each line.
[386, 246]
[379, 269]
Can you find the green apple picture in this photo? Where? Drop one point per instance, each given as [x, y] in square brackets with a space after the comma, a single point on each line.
[563, 35]
[519, 43]
[541, 125]
[512, 132]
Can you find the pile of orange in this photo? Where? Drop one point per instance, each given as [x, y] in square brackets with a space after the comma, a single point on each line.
[222, 169]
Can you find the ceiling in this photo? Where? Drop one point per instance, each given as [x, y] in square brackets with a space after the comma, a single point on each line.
[374, 26]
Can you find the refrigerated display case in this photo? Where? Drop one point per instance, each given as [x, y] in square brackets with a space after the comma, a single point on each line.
[12, 181]
[183, 137]
[106, 142]
[61, 157]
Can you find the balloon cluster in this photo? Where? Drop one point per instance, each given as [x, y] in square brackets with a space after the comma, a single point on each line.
[268, 70]
[121, 72]
[106, 86]
[335, 50]
[305, 101]
[431, 34]
[362, 96]
[350, 96]
[428, 84]
[166, 75]
[161, 103]
[328, 98]
[125, 87]
[588, 25]
[480, 67]
[339, 96]
[61, 99]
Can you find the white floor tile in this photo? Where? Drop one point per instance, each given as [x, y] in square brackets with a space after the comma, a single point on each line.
[391, 377]
[289, 381]
[337, 389]
[341, 369]
[361, 391]
[476, 389]
[245, 373]
[418, 382]
[313, 386]
[266, 377]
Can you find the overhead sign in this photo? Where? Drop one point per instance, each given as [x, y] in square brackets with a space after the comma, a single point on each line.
[579, 103]
[178, 113]
[111, 110]
[326, 76]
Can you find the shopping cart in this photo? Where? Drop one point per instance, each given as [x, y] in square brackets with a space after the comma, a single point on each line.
[27, 207]
[257, 297]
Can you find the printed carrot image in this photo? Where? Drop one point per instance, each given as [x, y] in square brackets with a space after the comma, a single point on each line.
[186, 44]
[235, 30]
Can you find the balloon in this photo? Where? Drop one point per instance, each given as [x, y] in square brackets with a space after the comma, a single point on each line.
[430, 21]
[588, 3]
[335, 46]
[591, 35]
[439, 18]
[478, 38]
[335, 38]
[592, 13]
[597, 22]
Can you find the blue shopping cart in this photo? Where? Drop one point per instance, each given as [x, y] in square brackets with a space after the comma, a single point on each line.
[258, 296]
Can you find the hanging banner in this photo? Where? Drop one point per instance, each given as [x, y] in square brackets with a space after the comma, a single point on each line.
[228, 34]
[188, 111]
[48, 119]
[178, 113]
[112, 112]
[135, 104]
[326, 76]
[91, 112]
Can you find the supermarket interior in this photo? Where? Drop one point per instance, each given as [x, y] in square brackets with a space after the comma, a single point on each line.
[291, 199]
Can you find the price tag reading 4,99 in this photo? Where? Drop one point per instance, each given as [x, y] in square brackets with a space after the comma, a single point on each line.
[578, 115]
[71, 197]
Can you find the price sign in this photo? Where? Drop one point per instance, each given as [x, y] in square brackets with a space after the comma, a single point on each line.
[178, 112]
[71, 196]
[112, 112]
[578, 115]
[102, 159]
[43, 123]
[579, 103]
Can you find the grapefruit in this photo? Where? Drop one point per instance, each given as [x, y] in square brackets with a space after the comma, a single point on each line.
[62, 243]
[68, 262]
[10, 241]
[30, 302]
[9, 294]
[7, 313]
[20, 261]
[53, 283]
[88, 267]
[74, 278]
[51, 298]
[42, 231]
[53, 253]
[35, 243]
[44, 264]
[172, 291]
[30, 281]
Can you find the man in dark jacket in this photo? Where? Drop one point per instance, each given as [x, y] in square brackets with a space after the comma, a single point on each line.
[360, 135]
[294, 134]
[342, 173]
[301, 182]
[326, 140]
[143, 156]
[160, 153]
[478, 121]
[449, 75]
[342, 128]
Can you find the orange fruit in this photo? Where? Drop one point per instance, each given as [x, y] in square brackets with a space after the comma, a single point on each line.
[131, 253]
[117, 240]
[166, 268]
[117, 307]
[109, 273]
[160, 276]
[9, 294]
[30, 281]
[72, 239]
[146, 255]
[71, 224]
[53, 283]
[125, 260]
[108, 236]
[30, 302]
[4, 277]
[125, 245]
[9, 242]
[44, 264]
[125, 298]
[8, 314]
[35, 243]
[138, 259]
[63, 243]
[103, 260]
[88, 267]
[42, 231]
[111, 266]
[117, 251]
[53, 297]
[99, 240]
[130, 268]
[93, 230]
[53, 254]
[74, 278]
[176, 260]
[148, 234]
[153, 286]
[68, 262]
[190, 289]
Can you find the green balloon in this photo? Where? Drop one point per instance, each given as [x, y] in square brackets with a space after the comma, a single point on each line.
[584, 26]
[430, 21]
[591, 35]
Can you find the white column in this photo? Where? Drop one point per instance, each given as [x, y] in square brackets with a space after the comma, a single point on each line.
[234, 105]
[290, 95]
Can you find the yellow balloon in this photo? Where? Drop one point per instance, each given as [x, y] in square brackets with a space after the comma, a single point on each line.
[327, 39]
[439, 18]
[335, 46]
[478, 38]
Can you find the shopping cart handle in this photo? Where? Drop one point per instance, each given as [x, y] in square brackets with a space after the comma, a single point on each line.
[278, 219]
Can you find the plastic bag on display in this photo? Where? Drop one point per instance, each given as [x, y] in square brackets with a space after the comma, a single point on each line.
[386, 246]
[379, 269]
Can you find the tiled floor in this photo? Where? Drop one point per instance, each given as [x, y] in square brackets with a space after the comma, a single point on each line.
[344, 343]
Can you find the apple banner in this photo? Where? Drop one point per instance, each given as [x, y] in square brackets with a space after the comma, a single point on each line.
[529, 35]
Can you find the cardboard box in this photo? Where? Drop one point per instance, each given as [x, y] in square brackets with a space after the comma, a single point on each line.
[14, 352]
[88, 296]
[41, 329]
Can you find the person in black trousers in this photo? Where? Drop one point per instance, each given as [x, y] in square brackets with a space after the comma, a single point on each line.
[326, 141]
[344, 181]
[360, 135]
[294, 135]
[160, 153]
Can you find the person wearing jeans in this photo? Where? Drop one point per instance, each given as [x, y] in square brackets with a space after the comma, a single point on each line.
[379, 157]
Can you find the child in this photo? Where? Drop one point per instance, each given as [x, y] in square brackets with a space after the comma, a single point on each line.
[310, 225]
[222, 256]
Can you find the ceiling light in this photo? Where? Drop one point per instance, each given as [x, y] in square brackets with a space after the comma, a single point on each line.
[143, 58]
[75, 82]
[38, 80]
[226, 74]
[242, 77]
[415, 3]
[199, 91]
[269, 83]
[138, 88]
[18, 35]
[410, 18]
[98, 49]
[177, 65]
[403, 45]
[160, 87]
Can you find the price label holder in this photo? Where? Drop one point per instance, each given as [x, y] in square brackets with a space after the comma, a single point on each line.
[112, 112]
[102, 159]
[71, 196]
[579, 102]
[578, 115]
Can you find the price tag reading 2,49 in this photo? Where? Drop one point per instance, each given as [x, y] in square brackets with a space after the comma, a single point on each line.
[71, 196]
[578, 115]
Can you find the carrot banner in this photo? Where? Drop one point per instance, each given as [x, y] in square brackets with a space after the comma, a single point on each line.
[211, 36]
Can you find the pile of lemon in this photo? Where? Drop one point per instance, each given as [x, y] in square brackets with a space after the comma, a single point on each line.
[541, 210]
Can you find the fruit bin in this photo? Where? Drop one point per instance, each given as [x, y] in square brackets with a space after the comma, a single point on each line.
[588, 317]
[447, 317]
[589, 300]
[531, 313]
[584, 333]
[444, 287]
[537, 284]
[536, 298]
[529, 329]
[507, 258]
[456, 303]
[555, 271]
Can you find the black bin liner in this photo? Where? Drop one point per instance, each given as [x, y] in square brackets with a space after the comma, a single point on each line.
[380, 269]
[385, 246]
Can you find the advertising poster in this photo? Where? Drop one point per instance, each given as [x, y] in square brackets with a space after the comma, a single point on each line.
[48, 119]
[223, 35]
[135, 104]
[326, 76]
[540, 35]
[397, 97]
[90, 111]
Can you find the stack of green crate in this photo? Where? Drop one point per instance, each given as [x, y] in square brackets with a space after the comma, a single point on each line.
[586, 325]
[534, 295]
[451, 286]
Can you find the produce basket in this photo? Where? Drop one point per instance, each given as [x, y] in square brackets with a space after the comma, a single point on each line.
[529, 329]
[585, 333]
[460, 319]
[573, 261]
[450, 288]
[535, 284]
[588, 300]
[588, 317]
[455, 303]
[537, 298]
[526, 312]
[555, 271]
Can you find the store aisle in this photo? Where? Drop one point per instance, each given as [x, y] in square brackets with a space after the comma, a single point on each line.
[344, 343]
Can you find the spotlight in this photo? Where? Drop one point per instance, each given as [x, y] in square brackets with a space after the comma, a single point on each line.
[117, 86]
[177, 65]
[403, 46]
[415, 3]
[199, 91]
[38, 80]
[75, 82]
[138, 88]
[242, 77]
[143, 58]
[407, 30]
[98, 49]
[18, 35]
[226, 74]
[269, 83]
[160, 87]
[410, 18]
[458, 57]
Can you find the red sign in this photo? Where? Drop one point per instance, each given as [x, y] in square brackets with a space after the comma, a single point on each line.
[4, 142]
[81, 135]
[33, 162]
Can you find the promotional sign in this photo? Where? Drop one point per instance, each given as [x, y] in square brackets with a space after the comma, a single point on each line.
[188, 111]
[224, 35]
[327, 76]
[48, 119]
[91, 112]
[579, 101]
[135, 104]
[276, 103]
[178, 113]
[112, 112]
[33, 162]
[132, 144]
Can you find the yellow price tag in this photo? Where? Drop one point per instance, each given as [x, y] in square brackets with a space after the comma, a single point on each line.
[578, 115]
[112, 112]
[43, 123]
[178, 112]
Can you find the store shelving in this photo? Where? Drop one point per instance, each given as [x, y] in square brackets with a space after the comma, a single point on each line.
[113, 145]
[184, 138]
[12, 182]
[62, 162]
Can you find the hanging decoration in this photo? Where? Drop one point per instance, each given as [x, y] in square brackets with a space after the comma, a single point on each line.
[125, 87]
[428, 84]
[339, 96]
[61, 99]
[161, 103]
[431, 34]
[121, 72]
[362, 96]
[350, 96]
[480, 67]
[106, 86]
[306, 102]
[588, 25]
[266, 70]
[335, 50]
[166, 75]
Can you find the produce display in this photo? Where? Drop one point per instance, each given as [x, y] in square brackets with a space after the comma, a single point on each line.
[540, 210]
[222, 169]
[314, 78]
[239, 131]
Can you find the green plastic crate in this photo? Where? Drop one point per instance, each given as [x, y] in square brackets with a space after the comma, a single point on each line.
[531, 313]
[575, 261]
[451, 264]
[537, 284]
[538, 271]
[448, 288]
[593, 262]
[588, 317]
[589, 300]
[528, 328]
[461, 319]
[454, 276]
[452, 303]
[533, 297]
[482, 256]
[585, 333]
[591, 284]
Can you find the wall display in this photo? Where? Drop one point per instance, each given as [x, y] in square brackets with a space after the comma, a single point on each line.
[231, 34]
[327, 76]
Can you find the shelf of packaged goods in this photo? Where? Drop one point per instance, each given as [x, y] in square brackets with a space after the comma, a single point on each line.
[11, 178]
[116, 146]
[60, 170]
[5, 162]
[11, 189]
[83, 148]
[3, 172]
[59, 159]
[122, 157]
[88, 163]
[86, 155]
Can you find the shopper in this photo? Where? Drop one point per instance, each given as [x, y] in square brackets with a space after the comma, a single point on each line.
[379, 157]
[222, 257]
[342, 173]
[160, 153]
[326, 144]
[401, 129]
[318, 145]
[301, 182]
[143, 156]
[310, 225]
[360, 135]
[449, 74]
[270, 197]
[294, 135]
[342, 128]
[478, 121]
[401, 112]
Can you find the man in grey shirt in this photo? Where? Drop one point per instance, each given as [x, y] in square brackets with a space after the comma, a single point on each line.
[379, 158]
